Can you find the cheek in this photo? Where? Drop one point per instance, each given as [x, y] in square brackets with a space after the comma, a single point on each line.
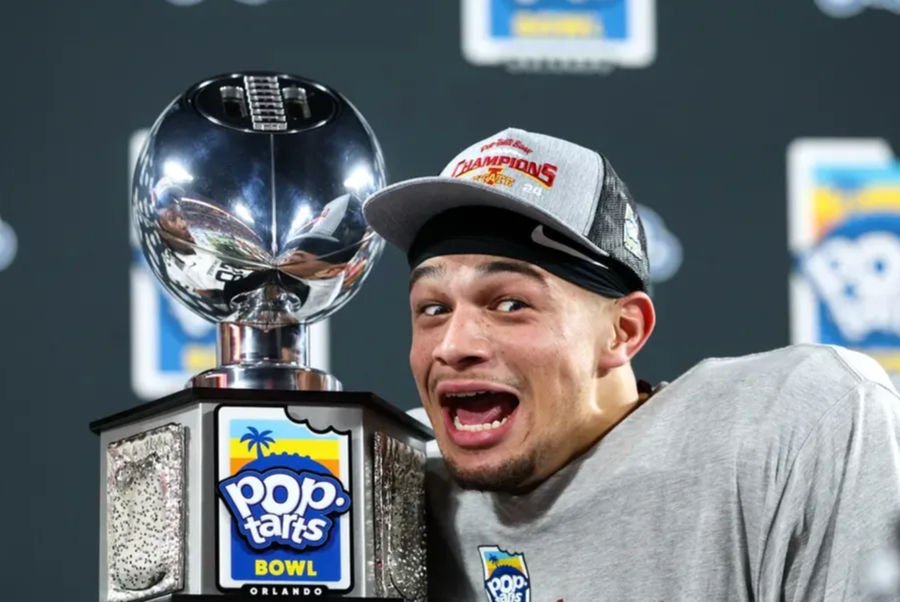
[420, 353]
[565, 342]
[562, 367]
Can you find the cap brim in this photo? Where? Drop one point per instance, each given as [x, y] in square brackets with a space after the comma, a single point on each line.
[399, 211]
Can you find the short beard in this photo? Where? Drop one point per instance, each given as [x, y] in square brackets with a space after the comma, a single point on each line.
[509, 477]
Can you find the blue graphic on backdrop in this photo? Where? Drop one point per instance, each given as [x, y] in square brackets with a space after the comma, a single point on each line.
[568, 35]
[852, 260]
[606, 19]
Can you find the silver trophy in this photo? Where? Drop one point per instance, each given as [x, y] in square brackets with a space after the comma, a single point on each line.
[261, 478]
[248, 206]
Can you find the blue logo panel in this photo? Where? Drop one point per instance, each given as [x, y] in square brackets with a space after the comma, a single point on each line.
[284, 516]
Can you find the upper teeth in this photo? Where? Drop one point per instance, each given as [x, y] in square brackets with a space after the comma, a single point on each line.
[478, 427]
[467, 393]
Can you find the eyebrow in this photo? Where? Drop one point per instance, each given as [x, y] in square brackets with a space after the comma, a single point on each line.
[424, 271]
[515, 267]
[485, 269]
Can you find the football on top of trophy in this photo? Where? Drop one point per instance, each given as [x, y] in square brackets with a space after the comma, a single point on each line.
[247, 199]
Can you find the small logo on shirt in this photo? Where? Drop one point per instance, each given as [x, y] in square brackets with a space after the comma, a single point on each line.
[505, 575]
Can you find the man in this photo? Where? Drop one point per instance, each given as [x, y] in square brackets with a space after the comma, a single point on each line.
[321, 248]
[774, 476]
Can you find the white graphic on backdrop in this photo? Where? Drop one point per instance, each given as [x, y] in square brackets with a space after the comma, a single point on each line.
[663, 247]
[859, 281]
[8, 245]
[848, 8]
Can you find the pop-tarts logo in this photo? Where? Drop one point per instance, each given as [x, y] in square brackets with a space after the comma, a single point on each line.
[557, 33]
[505, 575]
[282, 506]
[285, 501]
[845, 238]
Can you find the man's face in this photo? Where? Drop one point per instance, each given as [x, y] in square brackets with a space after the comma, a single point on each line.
[173, 222]
[504, 355]
[308, 265]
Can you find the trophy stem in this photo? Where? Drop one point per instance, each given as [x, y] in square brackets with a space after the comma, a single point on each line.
[242, 344]
[272, 358]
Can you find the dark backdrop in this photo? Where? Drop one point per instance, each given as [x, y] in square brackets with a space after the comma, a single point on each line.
[700, 135]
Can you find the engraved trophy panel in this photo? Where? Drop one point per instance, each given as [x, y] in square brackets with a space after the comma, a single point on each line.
[399, 511]
[147, 526]
[145, 532]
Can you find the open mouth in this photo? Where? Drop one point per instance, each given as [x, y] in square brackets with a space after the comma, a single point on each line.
[478, 415]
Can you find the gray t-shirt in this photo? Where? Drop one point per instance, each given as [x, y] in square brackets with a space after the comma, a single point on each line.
[774, 476]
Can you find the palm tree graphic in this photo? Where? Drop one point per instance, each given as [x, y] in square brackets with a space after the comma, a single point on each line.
[258, 440]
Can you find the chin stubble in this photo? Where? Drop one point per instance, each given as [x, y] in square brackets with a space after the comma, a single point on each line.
[507, 477]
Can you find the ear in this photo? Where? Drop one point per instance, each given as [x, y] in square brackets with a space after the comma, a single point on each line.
[633, 320]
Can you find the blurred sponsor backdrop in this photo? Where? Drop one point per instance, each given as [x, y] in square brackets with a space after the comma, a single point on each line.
[756, 136]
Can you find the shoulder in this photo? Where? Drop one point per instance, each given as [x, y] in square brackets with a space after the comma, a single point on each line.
[802, 357]
[778, 395]
[817, 375]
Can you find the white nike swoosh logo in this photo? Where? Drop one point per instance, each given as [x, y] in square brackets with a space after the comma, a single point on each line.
[538, 236]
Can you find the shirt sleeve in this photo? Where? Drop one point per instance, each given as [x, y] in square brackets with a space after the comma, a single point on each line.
[838, 512]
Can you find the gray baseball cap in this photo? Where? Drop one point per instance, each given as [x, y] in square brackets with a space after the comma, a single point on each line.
[566, 187]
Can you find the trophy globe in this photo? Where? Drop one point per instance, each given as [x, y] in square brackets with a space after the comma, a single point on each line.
[247, 200]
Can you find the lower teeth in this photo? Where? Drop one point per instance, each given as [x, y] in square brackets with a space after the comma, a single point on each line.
[478, 427]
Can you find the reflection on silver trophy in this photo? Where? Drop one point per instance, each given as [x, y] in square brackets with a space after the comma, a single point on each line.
[248, 204]
[261, 478]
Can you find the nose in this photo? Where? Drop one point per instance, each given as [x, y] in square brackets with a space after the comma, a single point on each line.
[464, 342]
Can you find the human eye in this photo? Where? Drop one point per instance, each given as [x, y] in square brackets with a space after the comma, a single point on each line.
[431, 309]
[511, 305]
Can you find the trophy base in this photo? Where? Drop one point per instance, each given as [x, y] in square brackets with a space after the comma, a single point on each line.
[167, 497]
[269, 376]
[249, 598]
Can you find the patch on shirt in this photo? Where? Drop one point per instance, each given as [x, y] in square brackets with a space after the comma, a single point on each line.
[505, 575]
